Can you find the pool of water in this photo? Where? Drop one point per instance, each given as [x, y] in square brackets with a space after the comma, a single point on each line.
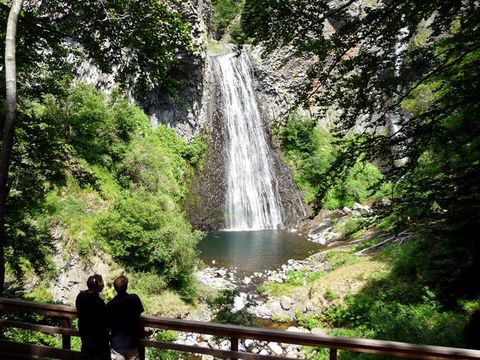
[254, 251]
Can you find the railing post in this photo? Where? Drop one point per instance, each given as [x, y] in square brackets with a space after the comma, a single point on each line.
[141, 348]
[66, 339]
[333, 354]
[234, 344]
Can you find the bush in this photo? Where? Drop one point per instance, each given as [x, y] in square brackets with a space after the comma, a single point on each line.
[224, 11]
[146, 234]
[389, 309]
[159, 354]
[357, 187]
[311, 151]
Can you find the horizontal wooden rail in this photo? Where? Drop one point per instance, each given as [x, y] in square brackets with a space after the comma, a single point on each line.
[46, 329]
[232, 332]
[62, 311]
[13, 350]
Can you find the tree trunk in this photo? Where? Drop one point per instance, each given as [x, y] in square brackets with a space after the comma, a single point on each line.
[9, 128]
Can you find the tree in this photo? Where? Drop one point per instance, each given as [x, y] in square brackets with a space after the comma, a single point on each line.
[139, 40]
[408, 73]
[9, 130]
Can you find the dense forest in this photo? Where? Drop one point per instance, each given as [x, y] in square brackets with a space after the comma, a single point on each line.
[90, 176]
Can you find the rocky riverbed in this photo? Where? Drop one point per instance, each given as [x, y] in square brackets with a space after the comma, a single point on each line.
[260, 305]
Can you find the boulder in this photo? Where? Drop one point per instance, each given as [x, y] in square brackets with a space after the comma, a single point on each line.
[275, 348]
[286, 302]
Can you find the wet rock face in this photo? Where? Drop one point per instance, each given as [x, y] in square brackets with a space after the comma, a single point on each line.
[205, 203]
[294, 210]
[73, 273]
[279, 76]
[184, 110]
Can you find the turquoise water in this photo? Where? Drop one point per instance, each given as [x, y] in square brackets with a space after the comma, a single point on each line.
[251, 251]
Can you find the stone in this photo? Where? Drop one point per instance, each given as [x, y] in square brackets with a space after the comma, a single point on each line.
[276, 349]
[212, 343]
[247, 280]
[264, 352]
[318, 331]
[220, 272]
[308, 307]
[286, 302]
[356, 213]
[249, 343]
[297, 329]
[225, 345]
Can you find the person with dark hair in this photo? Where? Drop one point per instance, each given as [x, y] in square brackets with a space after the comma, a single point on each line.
[92, 321]
[124, 319]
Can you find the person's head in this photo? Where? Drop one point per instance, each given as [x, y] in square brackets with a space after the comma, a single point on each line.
[121, 284]
[95, 283]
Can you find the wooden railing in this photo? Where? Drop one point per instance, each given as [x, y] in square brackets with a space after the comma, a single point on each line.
[14, 350]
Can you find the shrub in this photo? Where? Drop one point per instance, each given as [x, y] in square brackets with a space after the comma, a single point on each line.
[146, 234]
[158, 354]
[224, 11]
[222, 306]
[311, 151]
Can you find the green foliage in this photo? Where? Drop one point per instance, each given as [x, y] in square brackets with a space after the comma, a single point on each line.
[147, 233]
[309, 321]
[357, 187]
[381, 316]
[337, 259]
[311, 151]
[222, 306]
[351, 227]
[430, 91]
[330, 295]
[159, 354]
[70, 207]
[28, 242]
[195, 151]
[39, 294]
[294, 280]
[453, 263]
[107, 182]
[302, 277]
[145, 229]
[223, 12]
[148, 283]
[116, 35]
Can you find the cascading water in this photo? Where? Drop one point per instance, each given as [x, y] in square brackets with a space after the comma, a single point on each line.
[400, 52]
[252, 201]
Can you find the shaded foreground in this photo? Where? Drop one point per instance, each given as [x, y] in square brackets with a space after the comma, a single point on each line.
[234, 333]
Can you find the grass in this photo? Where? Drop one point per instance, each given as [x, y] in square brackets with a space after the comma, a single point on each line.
[295, 280]
[73, 212]
[338, 259]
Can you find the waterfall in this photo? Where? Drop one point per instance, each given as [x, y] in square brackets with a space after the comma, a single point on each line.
[252, 201]
[401, 46]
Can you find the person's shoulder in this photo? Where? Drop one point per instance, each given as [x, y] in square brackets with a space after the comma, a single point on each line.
[81, 295]
[79, 298]
[112, 301]
[133, 296]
